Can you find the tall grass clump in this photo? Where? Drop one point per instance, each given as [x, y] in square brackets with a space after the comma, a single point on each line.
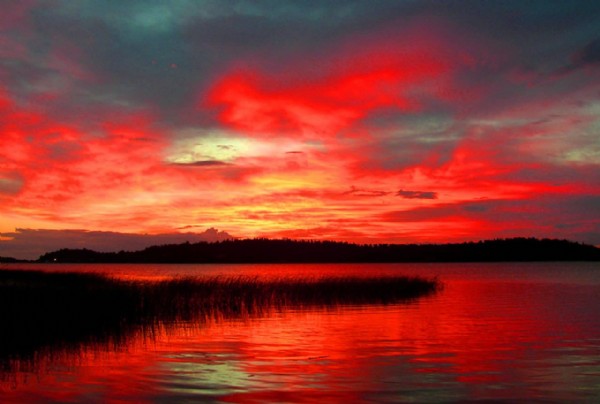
[43, 310]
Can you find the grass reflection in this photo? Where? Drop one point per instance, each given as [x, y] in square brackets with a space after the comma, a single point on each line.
[43, 313]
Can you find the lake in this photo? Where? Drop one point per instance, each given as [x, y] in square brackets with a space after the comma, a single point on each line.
[507, 332]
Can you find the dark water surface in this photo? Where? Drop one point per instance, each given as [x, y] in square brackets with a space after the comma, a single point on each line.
[507, 332]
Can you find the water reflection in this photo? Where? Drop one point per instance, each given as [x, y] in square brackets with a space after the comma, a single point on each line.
[479, 339]
[51, 316]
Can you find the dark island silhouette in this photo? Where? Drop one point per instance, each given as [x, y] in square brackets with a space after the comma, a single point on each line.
[10, 260]
[299, 251]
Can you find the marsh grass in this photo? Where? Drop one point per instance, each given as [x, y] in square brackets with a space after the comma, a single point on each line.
[44, 311]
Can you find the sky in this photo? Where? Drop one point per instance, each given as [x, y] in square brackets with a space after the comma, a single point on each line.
[363, 121]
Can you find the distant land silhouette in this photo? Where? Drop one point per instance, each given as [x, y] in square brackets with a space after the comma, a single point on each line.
[8, 260]
[298, 251]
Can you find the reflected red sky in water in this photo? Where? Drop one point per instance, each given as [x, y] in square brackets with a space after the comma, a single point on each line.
[480, 338]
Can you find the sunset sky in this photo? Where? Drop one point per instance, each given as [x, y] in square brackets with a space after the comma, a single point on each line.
[363, 121]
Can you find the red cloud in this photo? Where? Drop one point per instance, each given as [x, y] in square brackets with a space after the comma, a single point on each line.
[66, 170]
[398, 73]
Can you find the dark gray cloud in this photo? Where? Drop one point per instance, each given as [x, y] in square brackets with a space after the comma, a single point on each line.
[152, 54]
[586, 57]
[30, 243]
[10, 183]
[398, 151]
[417, 194]
[539, 35]
[589, 55]
[203, 163]
[361, 192]
[161, 55]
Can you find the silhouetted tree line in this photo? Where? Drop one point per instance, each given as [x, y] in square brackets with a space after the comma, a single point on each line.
[297, 251]
[8, 260]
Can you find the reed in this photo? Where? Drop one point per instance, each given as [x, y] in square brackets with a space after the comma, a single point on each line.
[61, 310]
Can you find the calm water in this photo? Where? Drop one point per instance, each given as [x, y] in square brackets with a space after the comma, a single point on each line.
[507, 332]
